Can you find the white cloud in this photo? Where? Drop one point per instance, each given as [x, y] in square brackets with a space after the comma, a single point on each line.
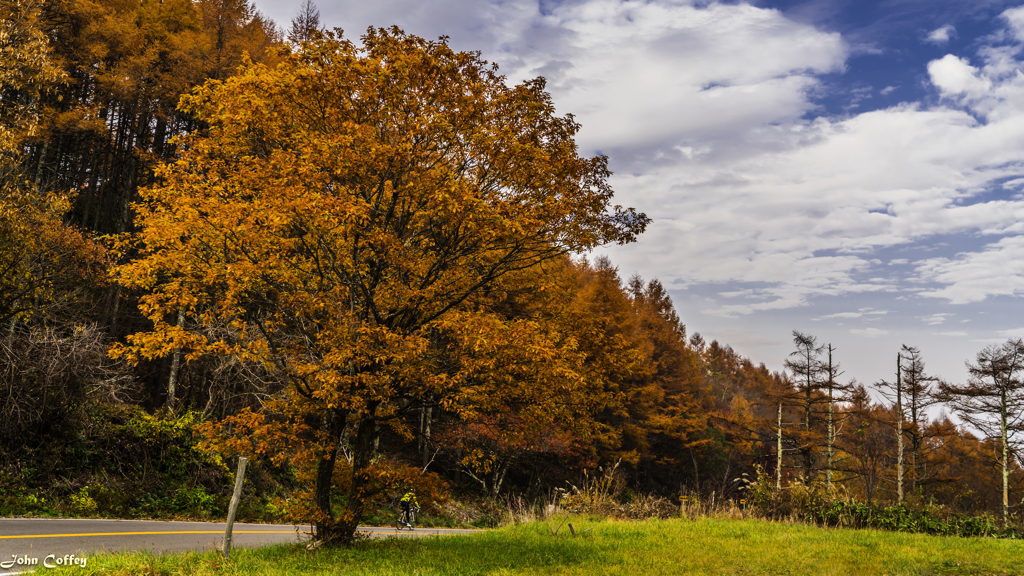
[1015, 18]
[841, 315]
[955, 76]
[1015, 184]
[993, 91]
[953, 334]
[802, 205]
[941, 35]
[936, 319]
[998, 270]
[1012, 333]
[884, 178]
[648, 77]
[858, 314]
[869, 332]
[707, 111]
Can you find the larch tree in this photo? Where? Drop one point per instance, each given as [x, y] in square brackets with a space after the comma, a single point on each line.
[993, 401]
[911, 395]
[126, 65]
[351, 219]
[676, 423]
[49, 349]
[305, 24]
[807, 368]
[869, 444]
[42, 259]
[893, 391]
[836, 393]
[920, 394]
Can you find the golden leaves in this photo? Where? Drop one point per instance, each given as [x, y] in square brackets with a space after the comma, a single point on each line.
[359, 217]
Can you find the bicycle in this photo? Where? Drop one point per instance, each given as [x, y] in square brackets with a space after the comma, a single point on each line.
[407, 521]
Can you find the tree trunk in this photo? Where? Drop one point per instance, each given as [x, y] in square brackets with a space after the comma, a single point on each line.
[808, 450]
[831, 440]
[39, 167]
[899, 432]
[831, 426]
[696, 472]
[428, 416]
[363, 489]
[1006, 455]
[419, 440]
[915, 440]
[498, 478]
[327, 528]
[778, 453]
[172, 380]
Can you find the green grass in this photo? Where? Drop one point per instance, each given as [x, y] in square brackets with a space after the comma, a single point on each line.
[676, 546]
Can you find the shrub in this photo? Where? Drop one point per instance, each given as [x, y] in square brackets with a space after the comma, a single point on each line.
[815, 503]
[82, 503]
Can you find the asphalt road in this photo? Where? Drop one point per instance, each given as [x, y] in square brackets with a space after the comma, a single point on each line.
[49, 542]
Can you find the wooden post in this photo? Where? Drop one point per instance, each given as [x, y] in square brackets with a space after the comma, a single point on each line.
[233, 507]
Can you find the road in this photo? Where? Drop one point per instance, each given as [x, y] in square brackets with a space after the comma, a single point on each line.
[48, 541]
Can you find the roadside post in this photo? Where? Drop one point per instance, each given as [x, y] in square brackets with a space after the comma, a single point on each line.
[233, 507]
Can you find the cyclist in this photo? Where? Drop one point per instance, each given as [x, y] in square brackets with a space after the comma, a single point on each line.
[407, 502]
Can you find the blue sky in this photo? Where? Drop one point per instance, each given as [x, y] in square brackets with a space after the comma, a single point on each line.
[852, 169]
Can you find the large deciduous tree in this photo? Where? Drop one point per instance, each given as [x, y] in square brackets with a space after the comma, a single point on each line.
[355, 218]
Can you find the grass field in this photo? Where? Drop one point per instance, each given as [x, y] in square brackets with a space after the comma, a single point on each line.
[677, 546]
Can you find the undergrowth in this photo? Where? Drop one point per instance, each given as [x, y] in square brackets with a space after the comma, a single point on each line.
[819, 505]
[126, 463]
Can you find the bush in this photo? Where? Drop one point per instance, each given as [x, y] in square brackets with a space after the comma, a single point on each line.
[605, 494]
[815, 503]
[83, 504]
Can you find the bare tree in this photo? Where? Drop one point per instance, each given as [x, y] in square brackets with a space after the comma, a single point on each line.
[993, 401]
[911, 395]
[920, 395]
[836, 393]
[224, 384]
[46, 374]
[305, 24]
[807, 369]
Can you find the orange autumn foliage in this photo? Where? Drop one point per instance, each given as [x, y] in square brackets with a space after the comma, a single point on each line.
[351, 219]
